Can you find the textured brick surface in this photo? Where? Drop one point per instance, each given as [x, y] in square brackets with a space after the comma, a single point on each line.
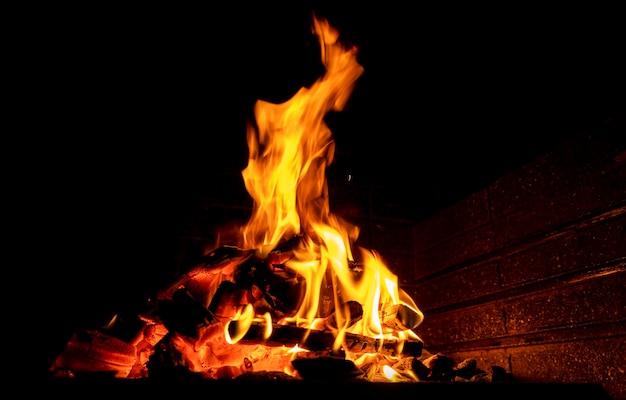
[462, 285]
[457, 249]
[599, 300]
[579, 160]
[600, 362]
[534, 278]
[586, 248]
[551, 210]
[471, 324]
[463, 216]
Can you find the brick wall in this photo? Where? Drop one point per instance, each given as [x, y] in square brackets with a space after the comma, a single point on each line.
[529, 273]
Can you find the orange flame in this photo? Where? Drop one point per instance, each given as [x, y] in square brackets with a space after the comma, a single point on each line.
[289, 150]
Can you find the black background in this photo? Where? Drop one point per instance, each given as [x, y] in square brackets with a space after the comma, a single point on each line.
[132, 111]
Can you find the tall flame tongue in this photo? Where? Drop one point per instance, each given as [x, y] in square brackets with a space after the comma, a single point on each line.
[289, 151]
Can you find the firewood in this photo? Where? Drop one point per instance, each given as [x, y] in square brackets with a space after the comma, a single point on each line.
[440, 366]
[317, 340]
[314, 366]
[211, 267]
[182, 314]
[400, 317]
[355, 315]
[169, 360]
[227, 300]
[283, 251]
[92, 351]
[466, 369]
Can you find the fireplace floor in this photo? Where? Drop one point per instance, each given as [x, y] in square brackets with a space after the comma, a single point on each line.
[287, 389]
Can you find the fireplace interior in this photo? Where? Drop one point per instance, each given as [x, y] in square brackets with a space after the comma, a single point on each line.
[513, 249]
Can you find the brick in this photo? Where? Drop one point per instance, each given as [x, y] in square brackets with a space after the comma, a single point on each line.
[574, 161]
[579, 250]
[529, 182]
[458, 249]
[574, 361]
[451, 288]
[599, 300]
[554, 209]
[461, 325]
[598, 361]
[466, 215]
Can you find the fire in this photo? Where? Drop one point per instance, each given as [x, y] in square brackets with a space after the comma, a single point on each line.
[223, 318]
[289, 150]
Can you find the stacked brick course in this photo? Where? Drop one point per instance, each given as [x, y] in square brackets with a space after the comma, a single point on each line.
[529, 273]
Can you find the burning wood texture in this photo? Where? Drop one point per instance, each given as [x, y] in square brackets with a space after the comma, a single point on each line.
[179, 334]
[289, 299]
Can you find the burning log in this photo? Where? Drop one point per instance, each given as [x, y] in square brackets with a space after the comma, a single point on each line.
[400, 317]
[229, 277]
[317, 340]
[312, 365]
[193, 316]
[202, 280]
[355, 311]
[184, 315]
[93, 351]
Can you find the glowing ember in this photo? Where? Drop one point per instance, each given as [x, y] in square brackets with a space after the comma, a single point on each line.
[229, 315]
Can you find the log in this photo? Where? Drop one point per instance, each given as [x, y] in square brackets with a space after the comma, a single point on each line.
[356, 314]
[221, 261]
[91, 351]
[324, 367]
[184, 315]
[400, 317]
[317, 340]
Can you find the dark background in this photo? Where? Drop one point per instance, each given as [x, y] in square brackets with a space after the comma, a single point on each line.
[133, 112]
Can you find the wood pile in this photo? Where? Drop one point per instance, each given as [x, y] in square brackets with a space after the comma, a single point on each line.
[186, 331]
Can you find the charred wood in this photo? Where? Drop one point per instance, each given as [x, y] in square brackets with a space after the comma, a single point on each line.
[317, 340]
[182, 314]
[92, 351]
[400, 317]
[313, 366]
[355, 314]
[440, 367]
[169, 362]
[207, 272]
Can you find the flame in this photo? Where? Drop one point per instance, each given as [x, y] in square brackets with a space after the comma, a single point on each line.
[290, 147]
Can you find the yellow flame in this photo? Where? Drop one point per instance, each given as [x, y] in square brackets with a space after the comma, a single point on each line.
[297, 349]
[390, 373]
[241, 321]
[290, 147]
